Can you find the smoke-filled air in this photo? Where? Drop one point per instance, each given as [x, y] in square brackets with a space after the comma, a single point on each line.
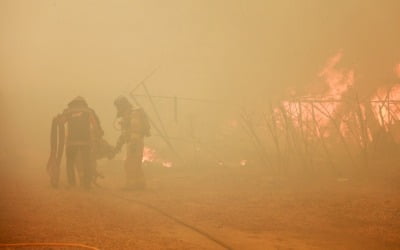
[208, 124]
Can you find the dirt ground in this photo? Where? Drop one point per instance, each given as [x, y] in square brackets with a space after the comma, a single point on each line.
[244, 207]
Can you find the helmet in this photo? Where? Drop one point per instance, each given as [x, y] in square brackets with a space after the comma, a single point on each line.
[78, 102]
[122, 104]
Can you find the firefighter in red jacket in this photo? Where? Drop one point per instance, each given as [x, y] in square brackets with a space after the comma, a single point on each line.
[134, 127]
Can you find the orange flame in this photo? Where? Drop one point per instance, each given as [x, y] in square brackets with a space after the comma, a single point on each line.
[149, 155]
[319, 109]
[386, 107]
[167, 164]
[338, 80]
[385, 103]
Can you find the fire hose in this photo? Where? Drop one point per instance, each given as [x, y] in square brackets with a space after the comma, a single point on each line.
[193, 228]
[55, 244]
[173, 218]
[53, 168]
[57, 145]
[57, 138]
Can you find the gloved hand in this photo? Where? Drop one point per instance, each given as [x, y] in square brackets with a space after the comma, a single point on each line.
[111, 154]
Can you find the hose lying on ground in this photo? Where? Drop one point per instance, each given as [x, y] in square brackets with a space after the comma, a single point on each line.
[20, 245]
[203, 233]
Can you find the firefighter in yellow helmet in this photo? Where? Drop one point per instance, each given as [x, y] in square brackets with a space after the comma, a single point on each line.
[134, 127]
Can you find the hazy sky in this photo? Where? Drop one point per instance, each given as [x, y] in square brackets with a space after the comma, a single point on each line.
[53, 50]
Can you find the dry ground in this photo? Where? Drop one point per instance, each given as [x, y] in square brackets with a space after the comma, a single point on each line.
[245, 207]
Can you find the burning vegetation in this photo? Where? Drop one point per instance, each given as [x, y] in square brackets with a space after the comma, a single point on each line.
[336, 124]
[333, 126]
[200, 124]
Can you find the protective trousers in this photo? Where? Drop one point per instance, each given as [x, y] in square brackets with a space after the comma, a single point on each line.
[84, 160]
[133, 165]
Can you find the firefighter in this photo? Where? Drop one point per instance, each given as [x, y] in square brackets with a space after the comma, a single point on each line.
[134, 127]
[84, 132]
